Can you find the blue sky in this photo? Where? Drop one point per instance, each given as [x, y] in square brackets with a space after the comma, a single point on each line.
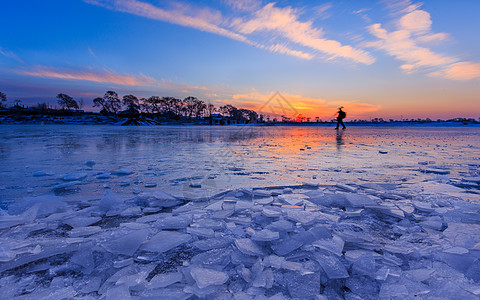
[386, 58]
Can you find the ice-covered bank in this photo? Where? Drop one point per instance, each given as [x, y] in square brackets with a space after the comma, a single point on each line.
[366, 241]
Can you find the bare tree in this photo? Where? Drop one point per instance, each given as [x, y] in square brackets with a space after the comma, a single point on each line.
[3, 98]
[131, 102]
[211, 109]
[112, 101]
[65, 101]
[100, 102]
[189, 106]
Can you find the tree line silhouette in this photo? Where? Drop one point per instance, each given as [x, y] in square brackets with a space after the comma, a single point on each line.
[133, 107]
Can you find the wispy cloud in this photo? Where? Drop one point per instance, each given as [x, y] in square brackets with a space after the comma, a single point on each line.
[104, 76]
[285, 22]
[409, 44]
[107, 76]
[323, 11]
[282, 23]
[285, 50]
[244, 5]
[91, 52]
[10, 54]
[181, 14]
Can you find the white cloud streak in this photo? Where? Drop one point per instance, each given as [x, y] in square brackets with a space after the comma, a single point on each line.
[280, 22]
[285, 22]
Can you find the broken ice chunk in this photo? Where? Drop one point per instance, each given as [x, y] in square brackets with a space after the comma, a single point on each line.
[165, 240]
[271, 212]
[281, 225]
[105, 175]
[301, 216]
[125, 182]
[346, 187]
[310, 184]
[265, 235]
[81, 221]
[207, 277]
[109, 201]
[435, 171]
[208, 244]
[364, 265]
[293, 199]
[287, 245]
[84, 231]
[164, 280]
[333, 245]
[303, 286]
[163, 199]
[242, 205]
[123, 172]
[358, 200]
[247, 246]
[332, 266]
[264, 201]
[65, 186]
[203, 232]
[42, 173]
[463, 235]
[127, 244]
[174, 222]
[434, 222]
[74, 176]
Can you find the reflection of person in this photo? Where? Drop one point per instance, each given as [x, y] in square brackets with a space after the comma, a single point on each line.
[340, 141]
[340, 117]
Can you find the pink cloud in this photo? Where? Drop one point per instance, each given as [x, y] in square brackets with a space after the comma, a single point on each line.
[285, 50]
[459, 71]
[105, 76]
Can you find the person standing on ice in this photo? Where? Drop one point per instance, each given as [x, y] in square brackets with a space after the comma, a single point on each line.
[340, 117]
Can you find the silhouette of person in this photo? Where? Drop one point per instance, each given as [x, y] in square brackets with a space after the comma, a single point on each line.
[340, 117]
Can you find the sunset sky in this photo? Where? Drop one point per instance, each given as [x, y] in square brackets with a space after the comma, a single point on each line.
[388, 58]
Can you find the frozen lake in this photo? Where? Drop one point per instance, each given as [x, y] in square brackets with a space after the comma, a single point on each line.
[244, 212]
[36, 158]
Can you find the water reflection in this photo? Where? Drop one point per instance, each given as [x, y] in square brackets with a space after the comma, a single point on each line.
[340, 140]
[231, 156]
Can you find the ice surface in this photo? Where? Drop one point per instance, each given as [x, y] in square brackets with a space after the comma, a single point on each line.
[382, 232]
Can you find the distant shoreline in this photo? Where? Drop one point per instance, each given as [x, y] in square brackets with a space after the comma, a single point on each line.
[97, 119]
